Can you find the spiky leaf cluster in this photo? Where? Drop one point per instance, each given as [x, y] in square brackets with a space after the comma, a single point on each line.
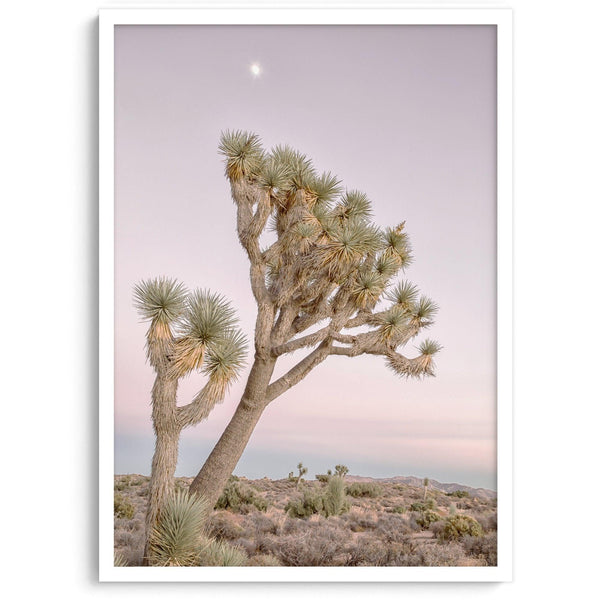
[330, 264]
[162, 301]
[176, 536]
[243, 154]
[192, 331]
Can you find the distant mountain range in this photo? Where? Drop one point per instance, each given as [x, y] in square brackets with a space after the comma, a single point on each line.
[433, 484]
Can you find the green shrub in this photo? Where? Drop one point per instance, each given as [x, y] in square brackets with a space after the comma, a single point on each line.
[458, 526]
[237, 495]
[335, 501]
[311, 503]
[426, 518]
[399, 510]
[179, 531]
[322, 478]
[458, 494]
[364, 489]
[331, 502]
[124, 509]
[423, 506]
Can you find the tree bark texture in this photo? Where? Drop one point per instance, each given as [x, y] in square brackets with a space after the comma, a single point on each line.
[221, 462]
[164, 461]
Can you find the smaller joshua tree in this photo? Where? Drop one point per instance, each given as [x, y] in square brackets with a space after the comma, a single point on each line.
[189, 331]
[341, 470]
[302, 471]
[425, 486]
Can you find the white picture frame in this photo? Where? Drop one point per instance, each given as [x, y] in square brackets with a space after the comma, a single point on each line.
[502, 19]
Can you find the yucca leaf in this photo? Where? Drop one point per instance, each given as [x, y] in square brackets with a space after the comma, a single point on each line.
[404, 294]
[162, 299]
[392, 322]
[275, 175]
[425, 309]
[302, 174]
[217, 553]
[387, 266]
[225, 358]
[398, 245]
[369, 286]
[326, 188]
[243, 152]
[429, 347]
[208, 320]
[178, 531]
[354, 205]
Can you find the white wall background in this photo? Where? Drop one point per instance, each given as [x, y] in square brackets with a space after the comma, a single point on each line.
[48, 238]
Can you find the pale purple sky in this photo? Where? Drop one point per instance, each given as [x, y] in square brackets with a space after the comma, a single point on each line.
[403, 113]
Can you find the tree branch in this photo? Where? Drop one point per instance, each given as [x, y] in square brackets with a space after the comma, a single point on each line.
[299, 372]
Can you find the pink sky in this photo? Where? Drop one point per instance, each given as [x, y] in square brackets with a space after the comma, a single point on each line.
[404, 113]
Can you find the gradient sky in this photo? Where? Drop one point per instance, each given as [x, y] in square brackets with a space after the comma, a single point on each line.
[403, 113]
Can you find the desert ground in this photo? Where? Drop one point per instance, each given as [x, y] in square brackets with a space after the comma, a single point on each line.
[283, 523]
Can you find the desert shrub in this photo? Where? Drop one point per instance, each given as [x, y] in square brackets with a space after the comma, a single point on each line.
[488, 522]
[436, 527]
[391, 528]
[423, 506]
[124, 509]
[263, 524]
[222, 525]
[403, 554]
[361, 489]
[426, 518]
[311, 503]
[485, 547]
[458, 494]
[322, 544]
[442, 555]
[123, 537]
[179, 530]
[359, 521]
[263, 560]
[322, 477]
[237, 497]
[458, 526]
[334, 500]
[399, 510]
[366, 553]
[217, 553]
[121, 485]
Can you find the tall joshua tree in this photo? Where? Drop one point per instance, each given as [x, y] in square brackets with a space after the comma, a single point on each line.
[330, 271]
[188, 332]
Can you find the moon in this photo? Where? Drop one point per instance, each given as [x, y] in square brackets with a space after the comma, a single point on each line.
[255, 69]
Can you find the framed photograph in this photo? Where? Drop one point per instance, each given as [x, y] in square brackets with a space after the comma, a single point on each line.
[305, 279]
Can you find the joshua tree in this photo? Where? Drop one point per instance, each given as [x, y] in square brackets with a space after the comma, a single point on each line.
[328, 271]
[188, 332]
[425, 485]
[302, 470]
[341, 470]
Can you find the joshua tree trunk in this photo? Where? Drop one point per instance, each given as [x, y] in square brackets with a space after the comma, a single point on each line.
[164, 461]
[329, 267]
[221, 462]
